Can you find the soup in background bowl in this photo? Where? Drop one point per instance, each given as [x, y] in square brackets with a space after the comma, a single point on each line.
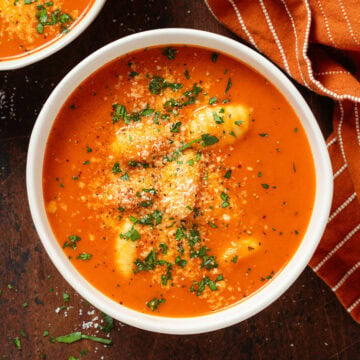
[31, 30]
[176, 181]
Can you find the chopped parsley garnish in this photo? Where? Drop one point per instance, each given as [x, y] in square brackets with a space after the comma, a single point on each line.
[225, 199]
[164, 248]
[212, 225]
[214, 57]
[152, 219]
[209, 140]
[265, 186]
[169, 52]
[132, 234]
[218, 119]
[17, 343]
[133, 73]
[88, 149]
[146, 203]
[186, 74]
[150, 191]
[154, 303]
[73, 240]
[46, 19]
[149, 263]
[180, 262]
[228, 174]
[212, 100]
[166, 277]
[205, 282]
[228, 86]
[234, 259]
[116, 168]
[269, 277]
[84, 256]
[192, 94]
[66, 297]
[157, 84]
[209, 262]
[179, 234]
[119, 112]
[263, 135]
[175, 128]
[133, 163]
[125, 177]
[109, 323]
[238, 122]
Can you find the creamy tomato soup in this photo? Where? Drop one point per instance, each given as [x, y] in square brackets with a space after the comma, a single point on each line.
[178, 181]
[26, 25]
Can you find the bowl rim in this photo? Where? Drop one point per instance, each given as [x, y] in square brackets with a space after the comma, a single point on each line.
[51, 48]
[273, 289]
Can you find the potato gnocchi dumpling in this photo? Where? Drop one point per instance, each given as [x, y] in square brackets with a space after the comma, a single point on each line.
[142, 141]
[228, 123]
[178, 185]
[125, 248]
[240, 248]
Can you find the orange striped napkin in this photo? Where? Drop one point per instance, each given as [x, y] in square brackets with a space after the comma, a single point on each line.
[317, 42]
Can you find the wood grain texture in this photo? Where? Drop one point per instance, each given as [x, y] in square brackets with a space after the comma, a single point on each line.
[307, 322]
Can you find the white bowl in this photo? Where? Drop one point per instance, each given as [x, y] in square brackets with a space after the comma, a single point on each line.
[50, 48]
[256, 302]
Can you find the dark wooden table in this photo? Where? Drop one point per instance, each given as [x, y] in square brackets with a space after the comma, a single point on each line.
[305, 323]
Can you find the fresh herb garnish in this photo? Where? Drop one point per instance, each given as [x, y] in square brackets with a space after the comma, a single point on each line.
[214, 57]
[132, 234]
[152, 219]
[228, 174]
[154, 303]
[109, 323]
[169, 52]
[17, 343]
[228, 86]
[157, 84]
[218, 119]
[84, 256]
[116, 168]
[164, 248]
[125, 177]
[133, 73]
[212, 100]
[73, 240]
[180, 262]
[76, 336]
[209, 140]
[225, 199]
[175, 128]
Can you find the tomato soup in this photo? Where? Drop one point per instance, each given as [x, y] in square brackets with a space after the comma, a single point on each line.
[178, 181]
[28, 25]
